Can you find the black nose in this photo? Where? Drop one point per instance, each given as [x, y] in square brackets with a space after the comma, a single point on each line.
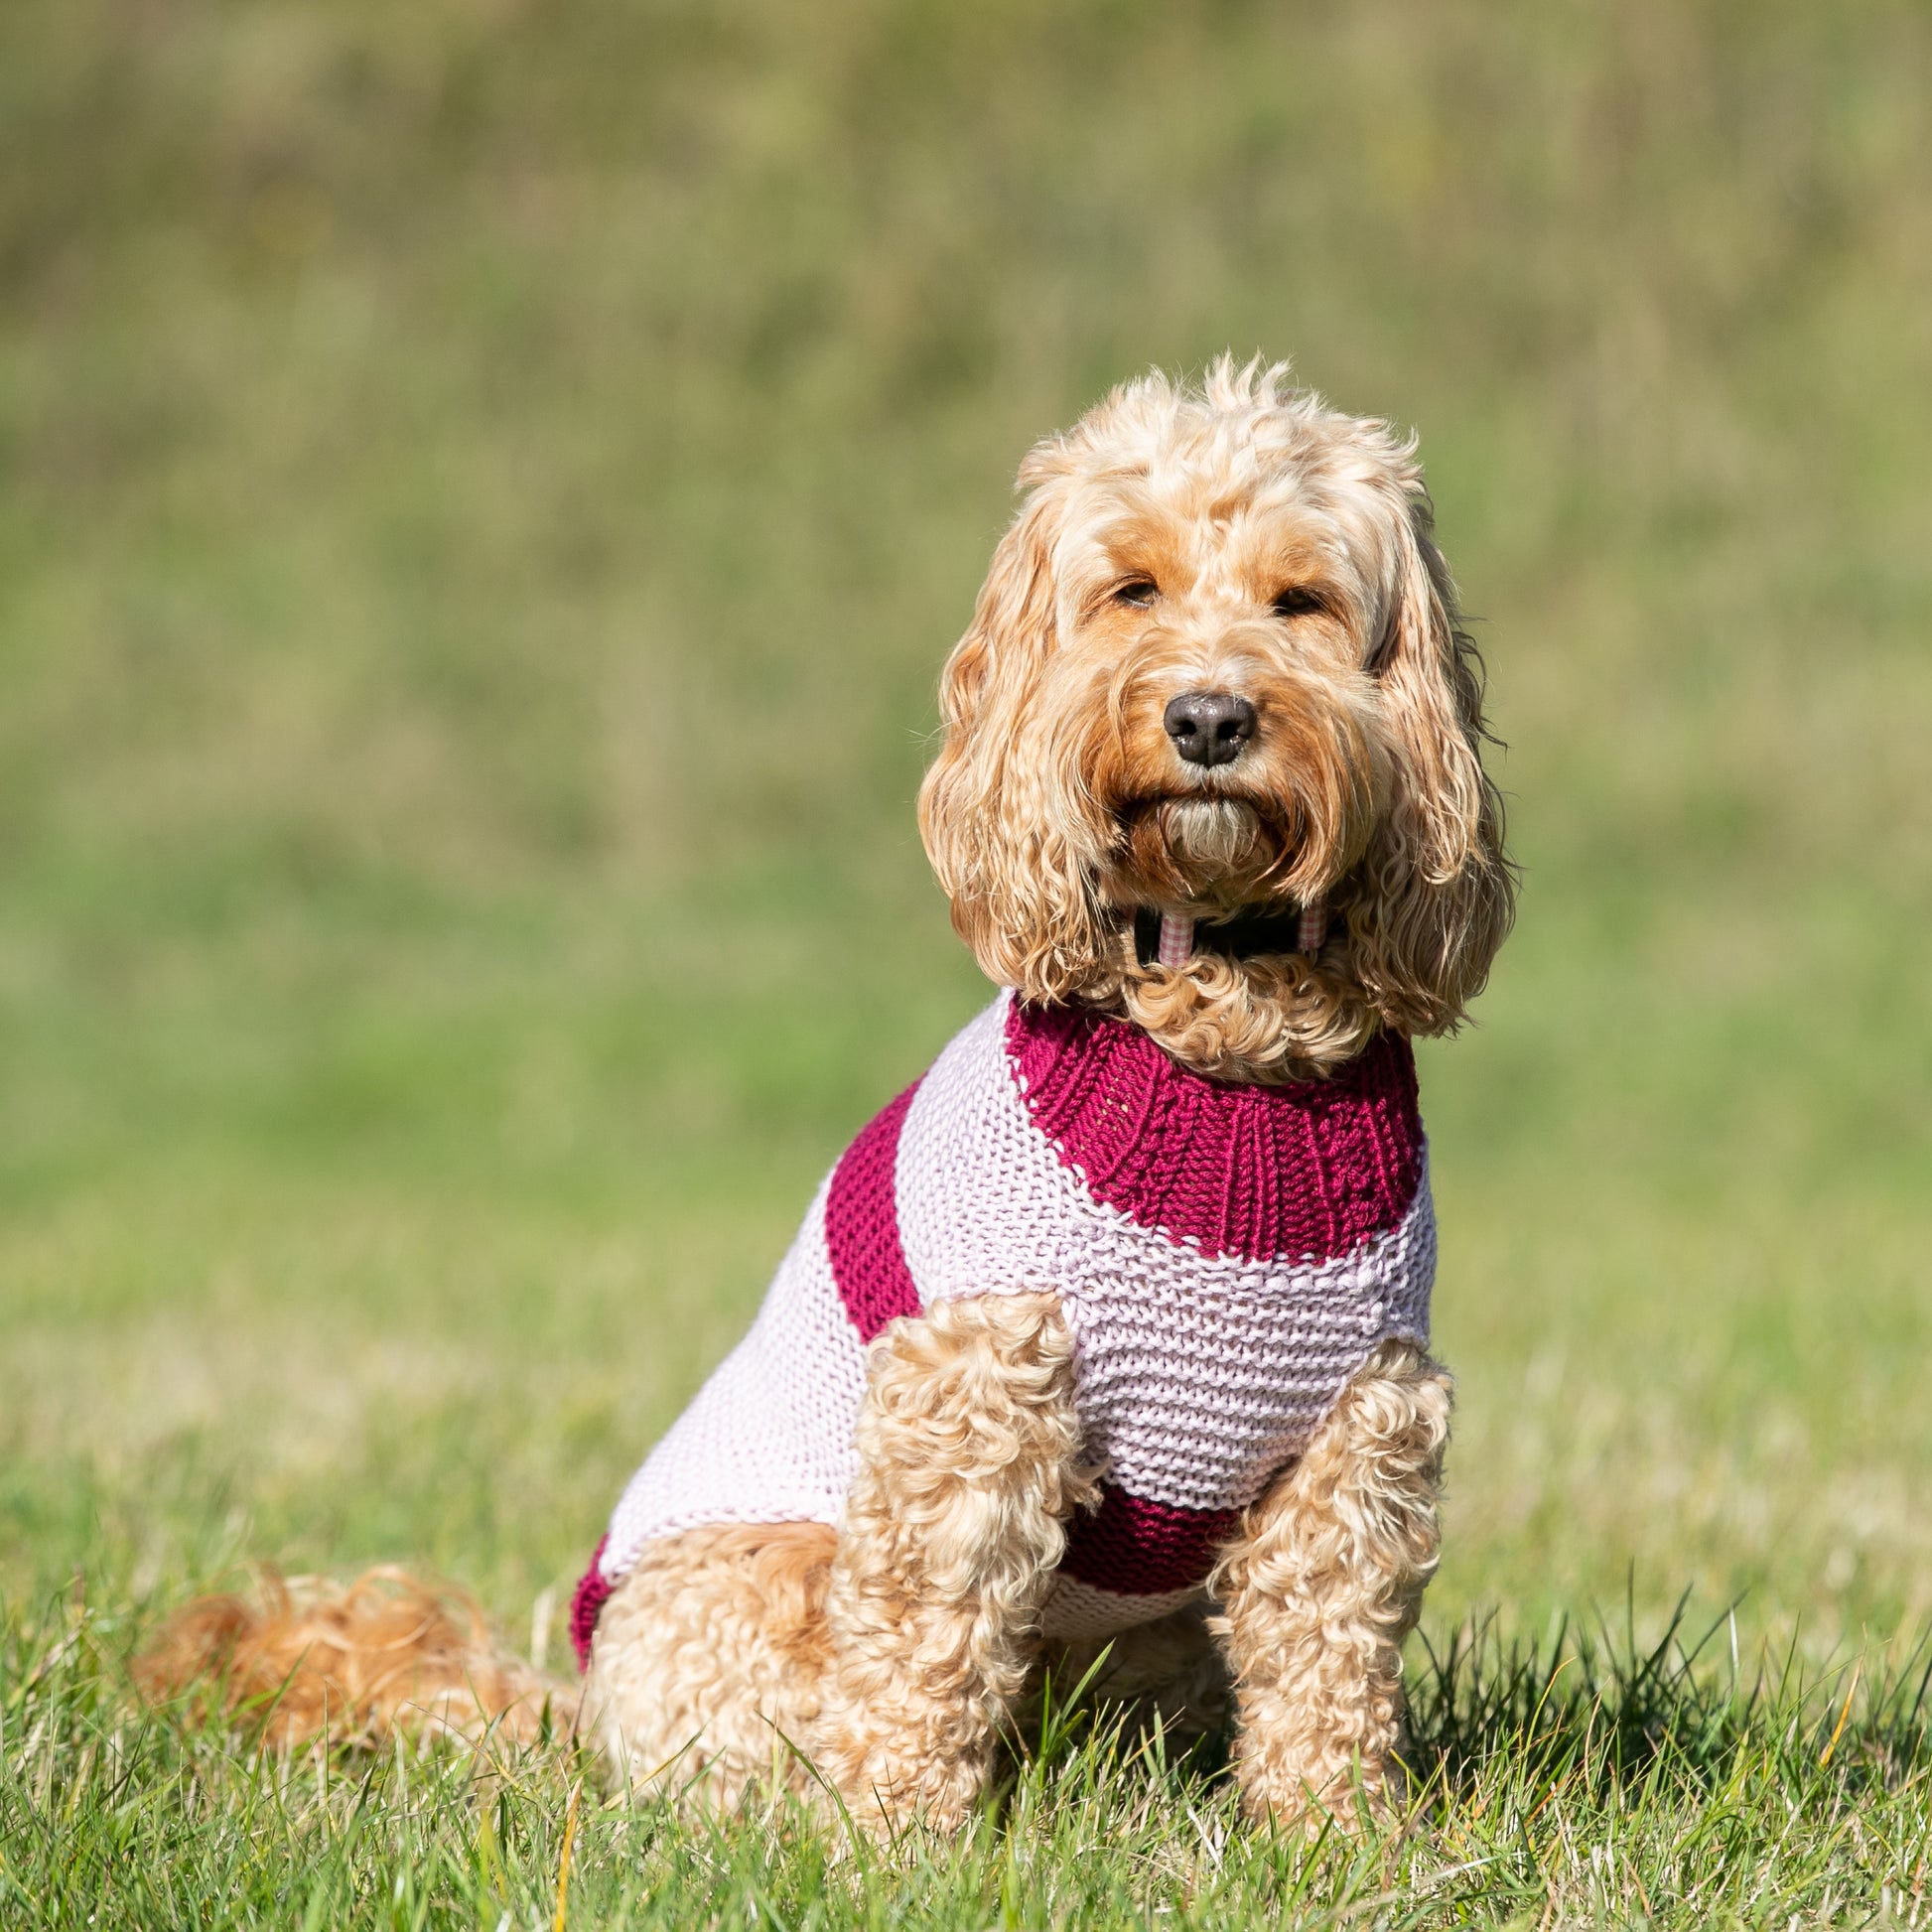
[1209, 727]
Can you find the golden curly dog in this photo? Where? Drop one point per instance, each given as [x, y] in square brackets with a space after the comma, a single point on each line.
[1215, 674]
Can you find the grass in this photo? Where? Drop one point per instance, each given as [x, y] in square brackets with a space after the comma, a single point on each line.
[1567, 1781]
[419, 1043]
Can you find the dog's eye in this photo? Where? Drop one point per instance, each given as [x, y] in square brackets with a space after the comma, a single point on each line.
[1137, 589]
[1297, 601]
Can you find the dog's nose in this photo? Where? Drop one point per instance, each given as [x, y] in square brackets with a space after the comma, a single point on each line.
[1209, 727]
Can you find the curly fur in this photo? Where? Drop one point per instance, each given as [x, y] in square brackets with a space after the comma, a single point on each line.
[969, 1454]
[1241, 536]
[705, 1677]
[1321, 1586]
[307, 1658]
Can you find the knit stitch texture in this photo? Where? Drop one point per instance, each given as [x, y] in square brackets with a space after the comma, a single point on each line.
[1227, 1259]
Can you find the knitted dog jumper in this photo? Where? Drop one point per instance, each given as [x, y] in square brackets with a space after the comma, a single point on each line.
[1226, 1257]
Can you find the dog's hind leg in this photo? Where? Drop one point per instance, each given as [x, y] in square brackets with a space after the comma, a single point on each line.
[1168, 1672]
[1322, 1585]
[706, 1668]
[969, 1464]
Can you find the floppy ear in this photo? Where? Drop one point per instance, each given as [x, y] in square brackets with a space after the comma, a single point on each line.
[994, 830]
[1439, 889]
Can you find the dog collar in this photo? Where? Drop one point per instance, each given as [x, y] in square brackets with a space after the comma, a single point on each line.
[1172, 939]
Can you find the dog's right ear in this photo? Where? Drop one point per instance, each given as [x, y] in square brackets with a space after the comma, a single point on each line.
[1017, 898]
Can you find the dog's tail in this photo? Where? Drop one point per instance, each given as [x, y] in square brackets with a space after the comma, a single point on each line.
[305, 1659]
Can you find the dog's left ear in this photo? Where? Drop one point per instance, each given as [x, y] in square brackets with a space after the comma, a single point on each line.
[1440, 888]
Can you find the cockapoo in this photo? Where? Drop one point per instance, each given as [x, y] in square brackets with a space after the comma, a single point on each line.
[1105, 1344]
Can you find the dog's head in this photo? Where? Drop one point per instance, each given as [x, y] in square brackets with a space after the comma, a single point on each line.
[1216, 671]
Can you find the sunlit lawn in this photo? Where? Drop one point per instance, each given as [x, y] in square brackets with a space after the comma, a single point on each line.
[420, 1042]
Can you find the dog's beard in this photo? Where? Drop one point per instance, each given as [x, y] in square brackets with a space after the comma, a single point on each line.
[1215, 838]
[1203, 848]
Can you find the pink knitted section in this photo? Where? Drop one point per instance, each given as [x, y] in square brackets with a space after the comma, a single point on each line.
[1305, 1171]
[1136, 1548]
[586, 1604]
[861, 1225]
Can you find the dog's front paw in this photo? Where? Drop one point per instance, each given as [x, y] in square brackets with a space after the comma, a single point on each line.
[1318, 1782]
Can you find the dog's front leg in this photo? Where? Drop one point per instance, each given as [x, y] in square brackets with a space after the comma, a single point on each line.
[1325, 1583]
[969, 1464]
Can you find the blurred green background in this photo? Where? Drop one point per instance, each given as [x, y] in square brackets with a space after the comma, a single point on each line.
[423, 1022]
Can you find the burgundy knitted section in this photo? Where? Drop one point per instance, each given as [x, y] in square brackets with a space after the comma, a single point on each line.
[586, 1604]
[1136, 1548]
[861, 1225]
[1305, 1171]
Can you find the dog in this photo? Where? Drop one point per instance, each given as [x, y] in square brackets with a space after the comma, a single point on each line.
[1104, 1349]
